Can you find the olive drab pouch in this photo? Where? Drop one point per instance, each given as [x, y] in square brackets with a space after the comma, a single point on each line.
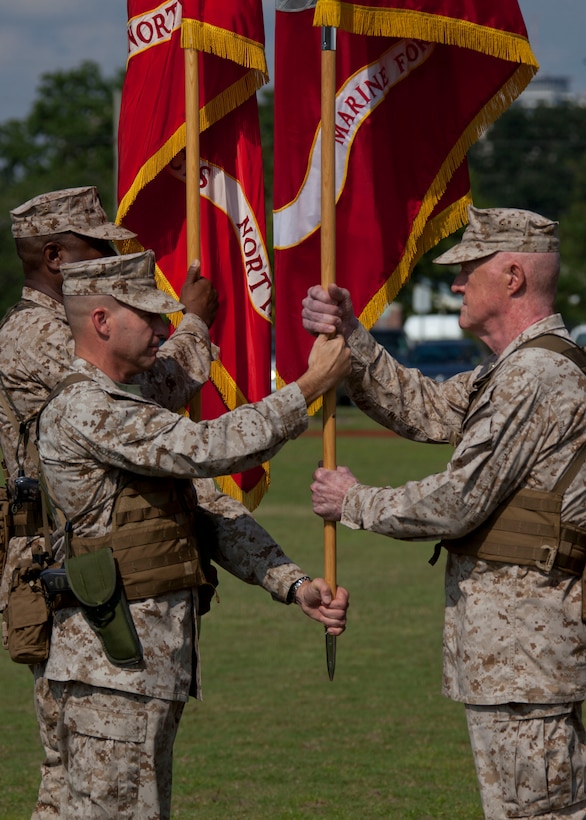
[95, 581]
[27, 618]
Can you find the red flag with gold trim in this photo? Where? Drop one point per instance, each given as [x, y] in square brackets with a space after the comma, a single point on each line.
[417, 82]
[229, 37]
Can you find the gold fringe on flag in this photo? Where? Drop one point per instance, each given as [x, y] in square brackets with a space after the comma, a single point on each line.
[426, 233]
[209, 114]
[445, 223]
[418, 25]
[424, 236]
[233, 397]
[230, 98]
[223, 43]
[231, 394]
[251, 498]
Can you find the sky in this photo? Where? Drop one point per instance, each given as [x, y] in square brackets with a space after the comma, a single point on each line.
[39, 36]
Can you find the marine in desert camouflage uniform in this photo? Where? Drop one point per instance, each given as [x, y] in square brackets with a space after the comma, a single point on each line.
[36, 347]
[36, 350]
[117, 725]
[514, 638]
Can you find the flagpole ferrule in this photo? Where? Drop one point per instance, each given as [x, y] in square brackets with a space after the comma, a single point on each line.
[328, 38]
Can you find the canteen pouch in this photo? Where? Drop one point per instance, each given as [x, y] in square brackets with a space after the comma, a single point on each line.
[96, 583]
[27, 619]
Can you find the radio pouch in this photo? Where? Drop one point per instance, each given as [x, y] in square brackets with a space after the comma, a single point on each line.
[96, 583]
[27, 619]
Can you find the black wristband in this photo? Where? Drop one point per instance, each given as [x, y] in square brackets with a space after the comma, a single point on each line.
[295, 586]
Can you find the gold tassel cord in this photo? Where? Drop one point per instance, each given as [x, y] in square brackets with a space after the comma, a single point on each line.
[230, 99]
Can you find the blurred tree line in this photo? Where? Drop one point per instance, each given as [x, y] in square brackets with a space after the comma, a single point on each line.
[532, 158]
[67, 140]
[535, 158]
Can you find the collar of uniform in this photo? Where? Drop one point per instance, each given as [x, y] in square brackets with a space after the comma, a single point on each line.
[94, 373]
[42, 299]
[551, 324]
[133, 389]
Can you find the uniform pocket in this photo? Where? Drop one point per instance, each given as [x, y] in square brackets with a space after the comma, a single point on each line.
[102, 755]
[543, 764]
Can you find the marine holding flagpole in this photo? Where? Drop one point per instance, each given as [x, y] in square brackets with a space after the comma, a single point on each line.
[509, 509]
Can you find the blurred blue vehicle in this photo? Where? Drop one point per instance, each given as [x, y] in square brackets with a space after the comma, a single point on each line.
[442, 358]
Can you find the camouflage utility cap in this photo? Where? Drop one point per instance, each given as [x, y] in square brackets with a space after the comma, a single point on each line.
[502, 229]
[128, 278]
[72, 209]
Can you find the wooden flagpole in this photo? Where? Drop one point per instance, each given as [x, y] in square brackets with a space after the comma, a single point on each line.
[192, 176]
[328, 276]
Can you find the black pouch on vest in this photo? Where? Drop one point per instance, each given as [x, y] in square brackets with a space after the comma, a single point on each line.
[207, 539]
[27, 619]
[5, 526]
[95, 582]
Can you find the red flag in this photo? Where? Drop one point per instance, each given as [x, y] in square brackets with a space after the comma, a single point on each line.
[152, 192]
[417, 83]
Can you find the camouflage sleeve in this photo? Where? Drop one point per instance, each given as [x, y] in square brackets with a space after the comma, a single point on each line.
[36, 350]
[44, 351]
[242, 546]
[502, 444]
[88, 425]
[400, 398]
[182, 365]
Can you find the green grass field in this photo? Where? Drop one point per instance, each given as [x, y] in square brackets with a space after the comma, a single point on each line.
[273, 737]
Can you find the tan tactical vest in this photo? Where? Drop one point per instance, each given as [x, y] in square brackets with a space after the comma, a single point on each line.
[152, 537]
[526, 528]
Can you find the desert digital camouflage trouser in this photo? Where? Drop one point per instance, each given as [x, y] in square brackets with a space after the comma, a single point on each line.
[117, 753]
[48, 804]
[530, 759]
